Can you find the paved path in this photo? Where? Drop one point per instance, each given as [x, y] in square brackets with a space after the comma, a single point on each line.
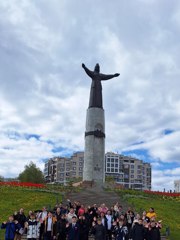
[92, 195]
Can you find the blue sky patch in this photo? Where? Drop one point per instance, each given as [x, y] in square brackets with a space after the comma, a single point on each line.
[168, 131]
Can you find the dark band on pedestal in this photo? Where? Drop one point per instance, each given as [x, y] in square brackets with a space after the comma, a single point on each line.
[97, 133]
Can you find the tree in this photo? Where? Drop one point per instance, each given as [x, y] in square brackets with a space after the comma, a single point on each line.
[32, 174]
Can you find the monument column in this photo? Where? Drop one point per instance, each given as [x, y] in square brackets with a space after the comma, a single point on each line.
[94, 154]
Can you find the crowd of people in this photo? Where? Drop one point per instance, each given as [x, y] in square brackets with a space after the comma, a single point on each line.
[74, 221]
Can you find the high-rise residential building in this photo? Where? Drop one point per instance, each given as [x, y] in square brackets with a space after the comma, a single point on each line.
[127, 171]
[177, 186]
[63, 169]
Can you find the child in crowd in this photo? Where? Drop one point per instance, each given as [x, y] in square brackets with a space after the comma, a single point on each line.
[11, 227]
[120, 230]
[98, 230]
[32, 227]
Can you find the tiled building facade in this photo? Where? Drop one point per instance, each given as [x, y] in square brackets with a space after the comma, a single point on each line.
[62, 169]
[127, 171]
[177, 186]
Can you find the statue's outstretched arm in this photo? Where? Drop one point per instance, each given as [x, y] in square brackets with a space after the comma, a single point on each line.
[108, 76]
[89, 72]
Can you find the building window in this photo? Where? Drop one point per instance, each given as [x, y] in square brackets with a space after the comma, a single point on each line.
[74, 163]
[108, 164]
[61, 169]
[80, 169]
[67, 169]
[80, 164]
[132, 166]
[108, 169]
[116, 165]
[132, 176]
[74, 168]
[132, 171]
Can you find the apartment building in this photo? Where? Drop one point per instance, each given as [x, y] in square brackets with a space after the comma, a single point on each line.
[63, 169]
[177, 186]
[130, 172]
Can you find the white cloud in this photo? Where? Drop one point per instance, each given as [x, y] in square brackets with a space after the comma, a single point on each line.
[44, 91]
[163, 180]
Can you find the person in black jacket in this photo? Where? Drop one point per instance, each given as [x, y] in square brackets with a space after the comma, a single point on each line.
[98, 230]
[93, 212]
[21, 218]
[73, 229]
[61, 228]
[104, 220]
[153, 233]
[138, 231]
[119, 230]
[83, 228]
[58, 213]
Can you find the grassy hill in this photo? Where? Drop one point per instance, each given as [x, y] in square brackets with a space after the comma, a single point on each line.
[13, 198]
[166, 207]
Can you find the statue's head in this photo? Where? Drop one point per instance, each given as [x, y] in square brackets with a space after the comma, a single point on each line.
[97, 68]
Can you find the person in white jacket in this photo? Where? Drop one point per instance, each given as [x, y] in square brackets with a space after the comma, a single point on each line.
[32, 226]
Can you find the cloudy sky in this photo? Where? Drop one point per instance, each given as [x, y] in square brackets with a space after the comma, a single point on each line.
[44, 92]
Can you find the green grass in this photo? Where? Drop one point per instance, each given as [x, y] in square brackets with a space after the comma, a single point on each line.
[13, 198]
[167, 209]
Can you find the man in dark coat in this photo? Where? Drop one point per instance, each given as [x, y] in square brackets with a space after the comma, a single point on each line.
[73, 229]
[98, 230]
[61, 228]
[138, 230]
[21, 218]
[153, 233]
[83, 228]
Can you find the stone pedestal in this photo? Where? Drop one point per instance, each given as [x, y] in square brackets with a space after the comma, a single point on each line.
[94, 155]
